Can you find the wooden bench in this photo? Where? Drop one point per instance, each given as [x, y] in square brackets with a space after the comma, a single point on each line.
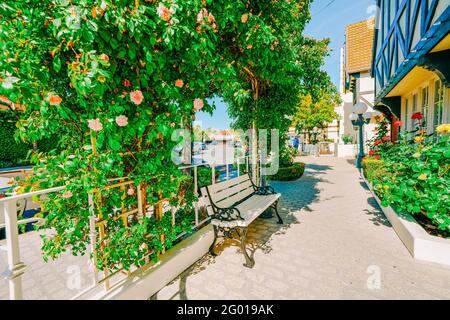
[234, 205]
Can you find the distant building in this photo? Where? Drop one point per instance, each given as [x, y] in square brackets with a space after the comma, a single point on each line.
[411, 61]
[356, 83]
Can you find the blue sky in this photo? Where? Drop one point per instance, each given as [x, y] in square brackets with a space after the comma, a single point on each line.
[329, 19]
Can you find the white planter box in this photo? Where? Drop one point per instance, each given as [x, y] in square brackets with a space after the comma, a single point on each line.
[147, 281]
[345, 150]
[420, 244]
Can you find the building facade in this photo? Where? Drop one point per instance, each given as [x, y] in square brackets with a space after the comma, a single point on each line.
[411, 61]
[356, 85]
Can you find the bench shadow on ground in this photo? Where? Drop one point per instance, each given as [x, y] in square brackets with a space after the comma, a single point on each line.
[296, 196]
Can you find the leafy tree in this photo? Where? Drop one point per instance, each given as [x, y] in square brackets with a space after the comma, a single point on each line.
[316, 112]
[113, 79]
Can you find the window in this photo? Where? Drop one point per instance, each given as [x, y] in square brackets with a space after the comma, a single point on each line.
[414, 105]
[407, 115]
[438, 103]
[425, 105]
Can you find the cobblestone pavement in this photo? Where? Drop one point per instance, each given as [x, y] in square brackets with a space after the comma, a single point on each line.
[334, 243]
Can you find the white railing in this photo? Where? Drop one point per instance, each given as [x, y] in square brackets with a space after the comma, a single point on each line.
[8, 206]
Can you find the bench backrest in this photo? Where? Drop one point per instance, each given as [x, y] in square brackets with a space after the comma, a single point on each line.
[228, 193]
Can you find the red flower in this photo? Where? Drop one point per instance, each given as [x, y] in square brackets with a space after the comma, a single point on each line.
[386, 139]
[398, 123]
[417, 116]
[372, 153]
[378, 142]
[126, 83]
[378, 157]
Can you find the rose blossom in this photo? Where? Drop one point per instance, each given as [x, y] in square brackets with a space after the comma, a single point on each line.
[398, 123]
[95, 124]
[130, 191]
[126, 83]
[202, 14]
[137, 97]
[104, 57]
[417, 116]
[198, 104]
[244, 18]
[163, 12]
[122, 121]
[55, 100]
[179, 83]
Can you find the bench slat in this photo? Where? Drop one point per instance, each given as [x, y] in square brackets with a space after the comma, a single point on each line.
[227, 184]
[219, 196]
[232, 199]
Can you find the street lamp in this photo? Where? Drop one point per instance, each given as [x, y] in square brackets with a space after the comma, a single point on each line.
[359, 118]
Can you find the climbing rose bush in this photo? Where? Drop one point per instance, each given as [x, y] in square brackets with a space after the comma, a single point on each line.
[113, 80]
[106, 78]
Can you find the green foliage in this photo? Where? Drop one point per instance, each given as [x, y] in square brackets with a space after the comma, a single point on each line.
[287, 156]
[114, 79]
[374, 169]
[417, 179]
[291, 173]
[381, 142]
[12, 152]
[316, 110]
[347, 139]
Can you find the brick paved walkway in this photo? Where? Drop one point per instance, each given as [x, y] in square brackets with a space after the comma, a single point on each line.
[334, 242]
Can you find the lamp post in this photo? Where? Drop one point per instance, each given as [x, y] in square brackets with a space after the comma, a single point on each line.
[359, 118]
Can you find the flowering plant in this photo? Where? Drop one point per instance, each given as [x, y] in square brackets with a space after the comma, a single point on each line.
[114, 79]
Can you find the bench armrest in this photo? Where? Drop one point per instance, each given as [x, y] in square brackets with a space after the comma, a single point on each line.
[265, 191]
[227, 214]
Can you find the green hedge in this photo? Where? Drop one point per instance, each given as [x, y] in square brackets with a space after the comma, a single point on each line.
[374, 169]
[291, 173]
[12, 152]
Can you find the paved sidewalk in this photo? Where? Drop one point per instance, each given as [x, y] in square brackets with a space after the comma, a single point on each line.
[334, 243]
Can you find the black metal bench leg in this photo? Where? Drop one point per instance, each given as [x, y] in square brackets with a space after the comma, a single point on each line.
[275, 206]
[249, 261]
[211, 248]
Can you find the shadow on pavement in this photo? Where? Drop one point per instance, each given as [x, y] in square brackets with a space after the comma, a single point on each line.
[296, 196]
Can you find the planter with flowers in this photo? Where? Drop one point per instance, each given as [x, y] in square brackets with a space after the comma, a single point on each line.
[411, 181]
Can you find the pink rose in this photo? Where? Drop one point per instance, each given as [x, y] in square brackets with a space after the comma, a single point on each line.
[201, 15]
[122, 121]
[179, 83]
[163, 12]
[244, 18]
[104, 57]
[130, 191]
[198, 104]
[249, 46]
[137, 97]
[95, 124]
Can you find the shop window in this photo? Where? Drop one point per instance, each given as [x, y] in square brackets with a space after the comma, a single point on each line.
[425, 104]
[438, 103]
